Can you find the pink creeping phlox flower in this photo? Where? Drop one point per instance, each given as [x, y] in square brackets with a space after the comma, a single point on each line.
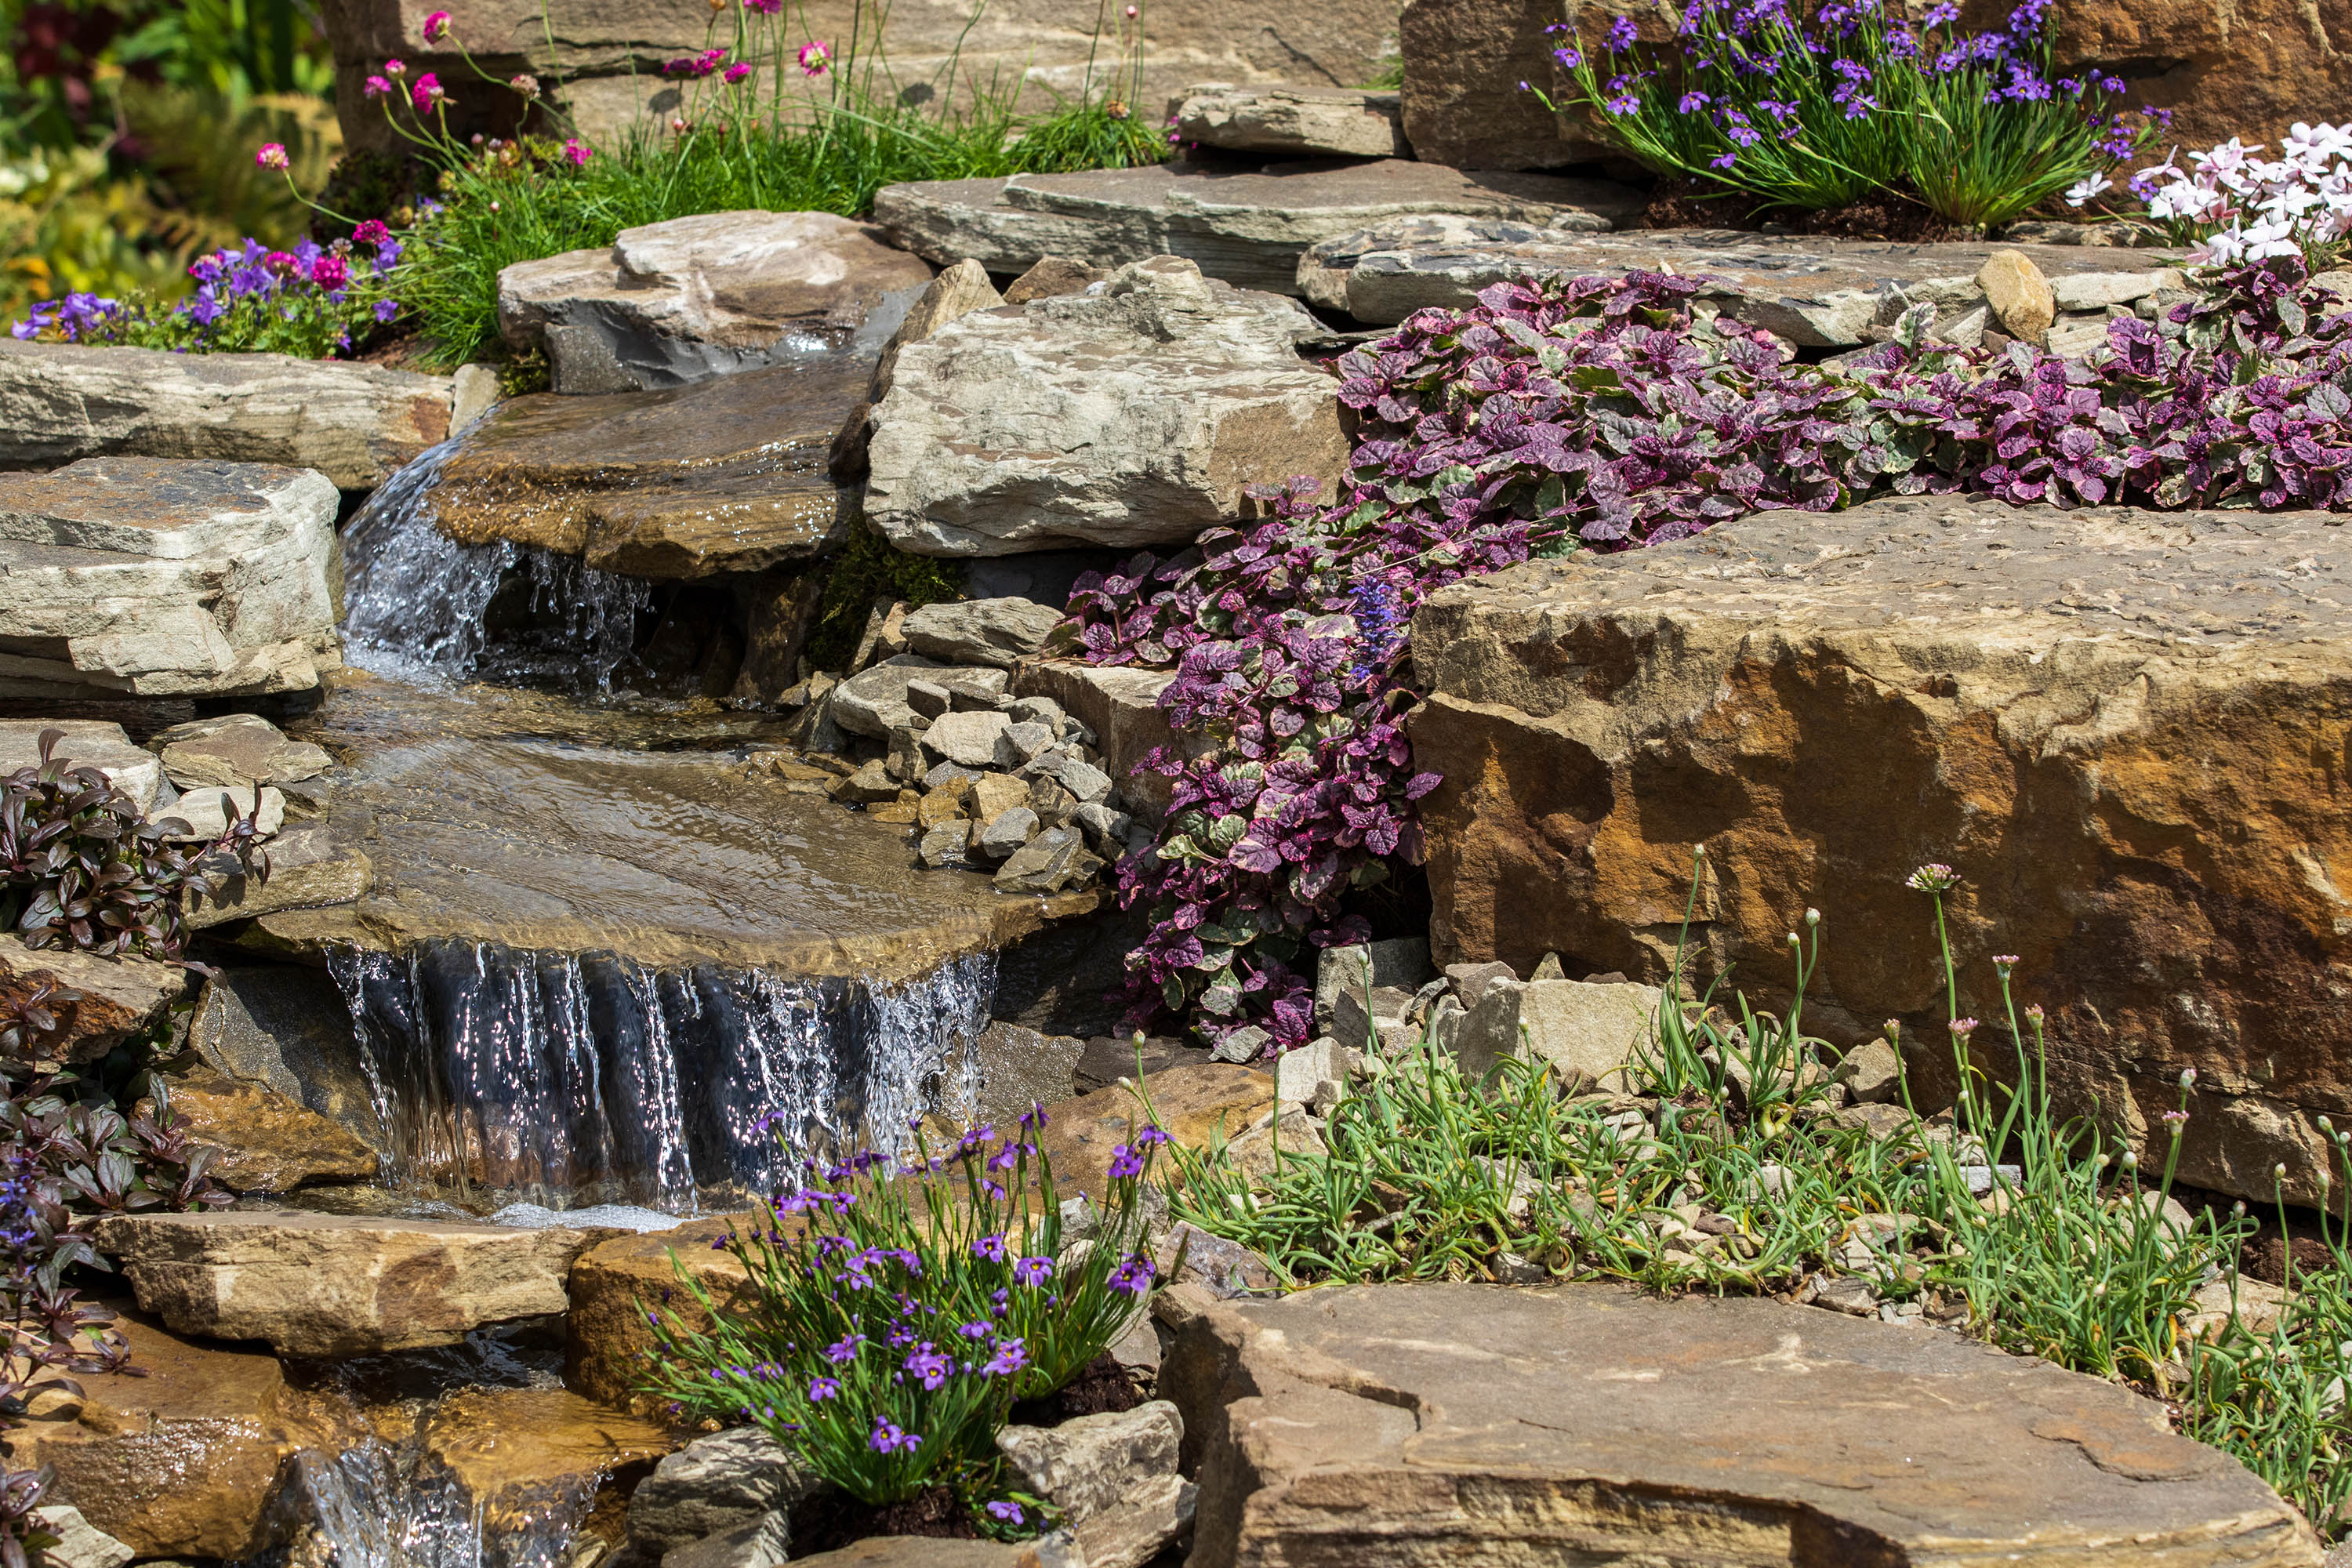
[272, 156]
[815, 57]
[436, 27]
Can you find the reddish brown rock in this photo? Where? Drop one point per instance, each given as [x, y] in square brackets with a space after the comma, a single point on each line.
[521, 1455]
[2126, 729]
[178, 1461]
[1479, 1426]
[267, 1141]
[1193, 1105]
[1465, 61]
[95, 1003]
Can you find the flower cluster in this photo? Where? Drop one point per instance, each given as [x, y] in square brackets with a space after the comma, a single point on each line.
[312, 300]
[1604, 414]
[2237, 206]
[1818, 109]
[898, 1311]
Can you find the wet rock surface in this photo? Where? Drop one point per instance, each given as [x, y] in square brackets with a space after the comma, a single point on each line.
[162, 577]
[1247, 227]
[727, 475]
[2067, 706]
[285, 1027]
[355, 423]
[180, 1459]
[1815, 292]
[1303, 121]
[335, 1285]
[673, 303]
[1132, 416]
[1401, 1424]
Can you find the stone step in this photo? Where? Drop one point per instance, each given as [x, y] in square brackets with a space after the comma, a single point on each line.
[1485, 1426]
[1815, 292]
[339, 1285]
[1247, 225]
[1299, 122]
[355, 423]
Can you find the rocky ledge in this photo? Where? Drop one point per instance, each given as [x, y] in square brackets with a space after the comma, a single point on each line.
[1244, 226]
[1817, 293]
[1485, 1426]
[150, 577]
[2123, 728]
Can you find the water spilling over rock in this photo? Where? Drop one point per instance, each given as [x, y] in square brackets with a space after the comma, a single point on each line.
[589, 1075]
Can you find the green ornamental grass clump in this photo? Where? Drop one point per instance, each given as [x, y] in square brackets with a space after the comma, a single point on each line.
[899, 1310]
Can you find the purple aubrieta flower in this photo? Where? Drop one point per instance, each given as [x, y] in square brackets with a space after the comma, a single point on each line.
[1007, 1512]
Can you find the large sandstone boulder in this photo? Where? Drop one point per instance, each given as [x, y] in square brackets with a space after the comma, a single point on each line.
[1467, 64]
[1245, 226]
[178, 1457]
[727, 475]
[2125, 730]
[1303, 121]
[353, 423]
[337, 1285]
[264, 1141]
[608, 1345]
[1137, 415]
[673, 303]
[111, 1000]
[1821, 293]
[604, 61]
[165, 577]
[1487, 1427]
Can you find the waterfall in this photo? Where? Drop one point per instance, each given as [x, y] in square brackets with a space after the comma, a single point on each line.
[584, 1078]
[421, 601]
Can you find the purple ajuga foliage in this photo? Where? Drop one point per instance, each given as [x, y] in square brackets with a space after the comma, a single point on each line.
[1606, 413]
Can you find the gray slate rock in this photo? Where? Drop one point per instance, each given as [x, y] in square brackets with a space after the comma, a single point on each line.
[1053, 862]
[673, 303]
[1402, 962]
[761, 1542]
[1301, 121]
[873, 702]
[1000, 632]
[1008, 833]
[1245, 227]
[968, 740]
[1132, 415]
[241, 749]
[715, 1484]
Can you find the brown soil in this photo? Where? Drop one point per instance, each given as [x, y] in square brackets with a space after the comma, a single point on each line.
[1686, 204]
[835, 1520]
[1101, 1388]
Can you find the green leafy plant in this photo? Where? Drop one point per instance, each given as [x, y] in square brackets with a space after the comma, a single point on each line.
[1820, 107]
[898, 1311]
[82, 866]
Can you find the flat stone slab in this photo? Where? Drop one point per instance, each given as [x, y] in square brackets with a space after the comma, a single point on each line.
[1247, 227]
[116, 998]
[134, 770]
[673, 303]
[337, 1285]
[2066, 707]
[1301, 121]
[165, 577]
[1814, 292]
[1136, 414]
[355, 423]
[1485, 1427]
[727, 475]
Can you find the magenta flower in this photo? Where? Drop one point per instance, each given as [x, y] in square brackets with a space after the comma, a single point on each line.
[394, 67]
[436, 27]
[735, 72]
[371, 232]
[272, 156]
[377, 87]
[330, 272]
[426, 93]
[765, 7]
[815, 57]
[577, 151]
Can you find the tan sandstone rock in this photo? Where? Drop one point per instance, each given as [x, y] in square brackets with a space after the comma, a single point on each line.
[180, 1459]
[520, 1455]
[611, 1287]
[267, 1142]
[1465, 61]
[2124, 730]
[1311, 121]
[113, 998]
[355, 423]
[1194, 1105]
[336, 1284]
[2021, 299]
[1485, 1427]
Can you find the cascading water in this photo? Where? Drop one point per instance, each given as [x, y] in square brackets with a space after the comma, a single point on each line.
[420, 601]
[569, 1077]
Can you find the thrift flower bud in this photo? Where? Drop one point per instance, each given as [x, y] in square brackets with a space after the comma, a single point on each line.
[436, 27]
[2188, 1077]
[272, 156]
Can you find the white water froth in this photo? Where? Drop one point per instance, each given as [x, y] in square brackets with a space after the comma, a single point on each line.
[419, 600]
[572, 1079]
